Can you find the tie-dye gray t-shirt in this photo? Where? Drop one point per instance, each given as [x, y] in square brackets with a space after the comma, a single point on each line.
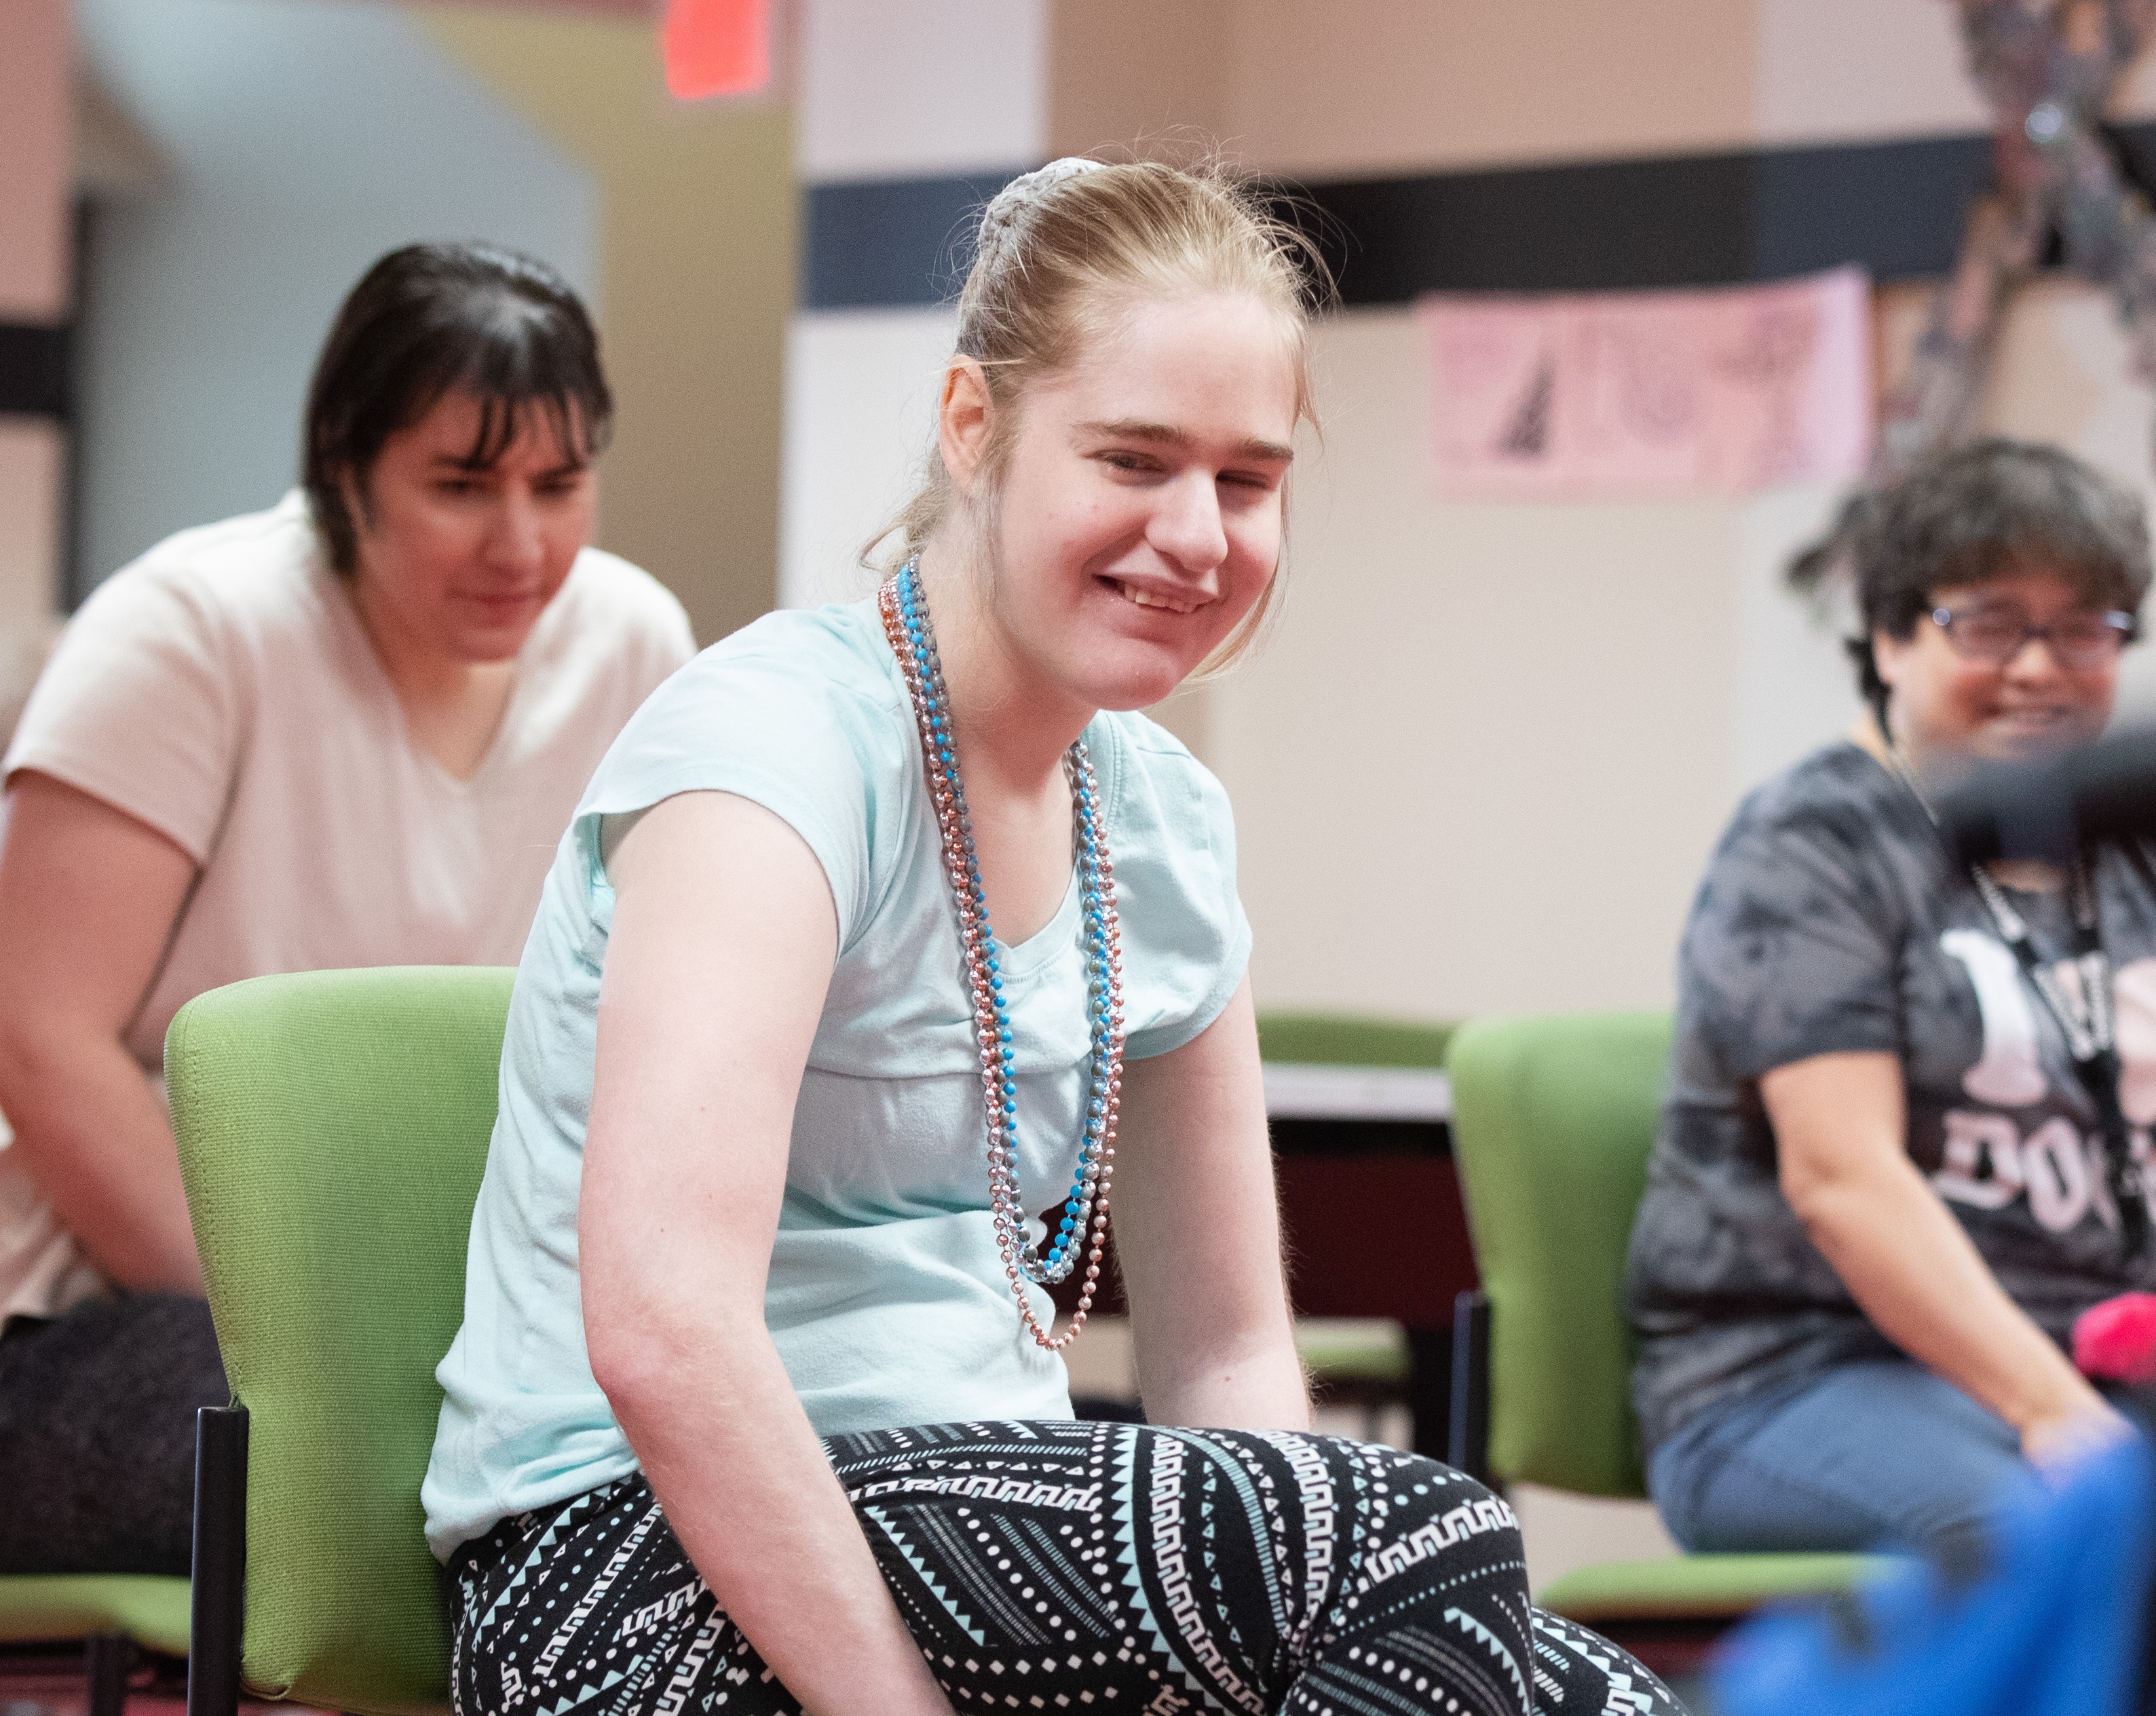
[1832, 920]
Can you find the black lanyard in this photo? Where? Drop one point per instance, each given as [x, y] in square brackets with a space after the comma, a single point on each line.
[2091, 1031]
[2087, 1021]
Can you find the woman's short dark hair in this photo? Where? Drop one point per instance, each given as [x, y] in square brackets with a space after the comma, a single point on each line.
[1983, 510]
[430, 318]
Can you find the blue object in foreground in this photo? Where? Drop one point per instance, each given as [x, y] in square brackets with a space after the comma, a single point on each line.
[2046, 1618]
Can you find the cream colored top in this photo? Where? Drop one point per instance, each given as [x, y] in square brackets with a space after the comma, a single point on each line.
[221, 690]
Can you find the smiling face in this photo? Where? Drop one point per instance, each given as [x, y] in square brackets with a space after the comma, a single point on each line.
[1943, 704]
[457, 561]
[1139, 509]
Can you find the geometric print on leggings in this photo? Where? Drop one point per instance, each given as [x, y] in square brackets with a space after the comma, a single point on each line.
[1067, 1566]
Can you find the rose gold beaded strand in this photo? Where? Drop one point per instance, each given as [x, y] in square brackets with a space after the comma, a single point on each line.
[914, 647]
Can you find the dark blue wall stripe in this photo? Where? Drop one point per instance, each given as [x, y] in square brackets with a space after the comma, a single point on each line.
[884, 242]
[1690, 220]
[1898, 209]
[1687, 220]
[33, 370]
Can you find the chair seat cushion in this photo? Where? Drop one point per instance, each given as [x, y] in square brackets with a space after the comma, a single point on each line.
[1354, 1349]
[153, 1610]
[1699, 1587]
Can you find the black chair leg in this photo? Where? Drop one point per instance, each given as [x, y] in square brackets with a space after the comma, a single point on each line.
[1468, 1449]
[1429, 1389]
[220, 1560]
[108, 1658]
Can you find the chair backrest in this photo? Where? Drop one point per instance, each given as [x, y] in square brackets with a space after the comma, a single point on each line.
[1553, 1121]
[332, 1129]
[1352, 1040]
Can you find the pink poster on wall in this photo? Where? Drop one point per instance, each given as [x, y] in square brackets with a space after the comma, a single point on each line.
[1726, 390]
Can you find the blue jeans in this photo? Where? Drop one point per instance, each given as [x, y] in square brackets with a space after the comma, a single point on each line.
[1879, 1454]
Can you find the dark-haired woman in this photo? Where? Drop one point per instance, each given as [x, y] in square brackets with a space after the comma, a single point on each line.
[343, 732]
[1901, 1151]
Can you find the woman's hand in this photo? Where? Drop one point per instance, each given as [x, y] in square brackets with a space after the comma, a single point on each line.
[1197, 1235]
[724, 934]
[1839, 1123]
[88, 900]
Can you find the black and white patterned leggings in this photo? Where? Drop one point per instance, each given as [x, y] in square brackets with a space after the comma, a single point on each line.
[1057, 1567]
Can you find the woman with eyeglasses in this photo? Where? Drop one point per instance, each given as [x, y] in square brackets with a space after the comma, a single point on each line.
[1900, 1149]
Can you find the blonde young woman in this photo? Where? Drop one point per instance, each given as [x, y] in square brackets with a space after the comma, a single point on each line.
[818, 1010]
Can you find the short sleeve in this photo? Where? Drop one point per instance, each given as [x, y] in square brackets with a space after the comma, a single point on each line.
[818, 753]
[139, 707]
[1792, 950]
[1174, 845]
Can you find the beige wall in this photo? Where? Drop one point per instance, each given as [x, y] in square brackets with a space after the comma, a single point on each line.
[35, 47]
[34, 127]
[1106, 93]
[1356, 86]
[1488, 747]
[1481, 762]
[1383, 86]
[697, 224]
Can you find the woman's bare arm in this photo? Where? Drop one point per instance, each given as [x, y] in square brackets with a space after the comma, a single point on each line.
[88, 900]
[1839, 1121]
[716, 968]
[1198, 1234]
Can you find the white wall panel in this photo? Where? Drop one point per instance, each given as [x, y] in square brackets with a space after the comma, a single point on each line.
[1839, 70]
[1795, 688]
[860, 408]
[890, 91]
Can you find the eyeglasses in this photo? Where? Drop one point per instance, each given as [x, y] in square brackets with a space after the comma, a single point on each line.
[1995, 636]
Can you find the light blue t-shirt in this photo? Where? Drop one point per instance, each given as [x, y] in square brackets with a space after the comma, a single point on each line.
[886, 1298]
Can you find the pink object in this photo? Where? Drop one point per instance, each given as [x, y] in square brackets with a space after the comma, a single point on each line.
[2116, 1342]
[1651, 393]
[36, 125]
[717, 48]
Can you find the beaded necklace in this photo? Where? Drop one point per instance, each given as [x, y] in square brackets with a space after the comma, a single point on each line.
[906, 623]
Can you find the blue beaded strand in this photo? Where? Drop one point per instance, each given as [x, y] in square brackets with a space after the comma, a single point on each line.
[1085, 1206]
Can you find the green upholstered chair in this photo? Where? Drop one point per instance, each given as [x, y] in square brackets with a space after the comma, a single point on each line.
[332, 1129]
[111, 1617]
[1552, 1121]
